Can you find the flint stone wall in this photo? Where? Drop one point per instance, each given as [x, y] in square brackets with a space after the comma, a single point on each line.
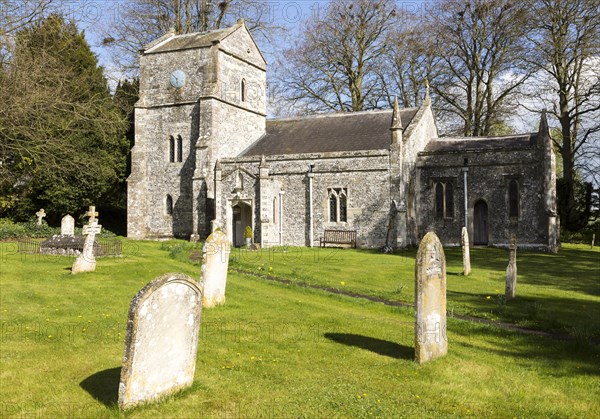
[489, 175]
[365, 176]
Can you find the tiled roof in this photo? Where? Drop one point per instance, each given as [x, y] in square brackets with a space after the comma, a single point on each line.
[329, 133]
[443, 145]
[192, 40]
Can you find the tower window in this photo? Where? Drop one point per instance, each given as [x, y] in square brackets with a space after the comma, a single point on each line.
[338, 205]
[179, 149]
[171, 149]
[243, 90]
[513, 199]
[169, 205]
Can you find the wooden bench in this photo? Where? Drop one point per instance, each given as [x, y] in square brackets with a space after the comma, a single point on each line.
[338, 237]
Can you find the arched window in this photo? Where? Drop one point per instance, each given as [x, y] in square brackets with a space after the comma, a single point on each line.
[333, 202]
[439, 200]
[243, 90]
[275, 211]
[513, 199]
[179, 149]
[338, 205]
[343, 206]
[169, 205]
[171, 149]
[449, 200]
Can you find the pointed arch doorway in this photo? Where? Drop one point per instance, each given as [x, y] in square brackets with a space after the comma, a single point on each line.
[241, 217]
[480, 223]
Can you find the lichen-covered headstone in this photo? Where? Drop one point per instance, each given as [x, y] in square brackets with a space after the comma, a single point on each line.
[465, 252]
[430, 300]
[162, 340]
[511, 270]
[67, 226]
[215, 260]
[86, 261]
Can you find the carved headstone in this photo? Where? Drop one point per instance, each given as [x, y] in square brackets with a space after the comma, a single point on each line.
[465, 252]
[86, 261]
[215, 260]
[511, 270]
[67, 226]
[430, 300]
[593, 240]
[161, 341]
[40, 215]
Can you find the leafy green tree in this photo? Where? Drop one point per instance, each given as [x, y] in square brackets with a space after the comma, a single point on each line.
[62, 143]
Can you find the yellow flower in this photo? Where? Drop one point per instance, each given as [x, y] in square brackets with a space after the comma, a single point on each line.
[343, 283]
[497, 290]
[488, 297]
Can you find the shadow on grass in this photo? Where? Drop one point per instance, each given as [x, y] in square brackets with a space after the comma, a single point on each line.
[104, 386]
[378, 346]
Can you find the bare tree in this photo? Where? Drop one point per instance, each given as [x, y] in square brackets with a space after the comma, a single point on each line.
[337, 62]
[141, 21]
[409, 61]
[566, 37]
[480, 46]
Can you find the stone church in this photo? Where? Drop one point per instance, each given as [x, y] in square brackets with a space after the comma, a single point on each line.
[206, 156]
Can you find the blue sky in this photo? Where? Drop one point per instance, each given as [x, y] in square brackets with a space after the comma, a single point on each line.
[94, 16]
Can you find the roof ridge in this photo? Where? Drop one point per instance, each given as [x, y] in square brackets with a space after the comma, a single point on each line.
[336, 114]
[497, 137]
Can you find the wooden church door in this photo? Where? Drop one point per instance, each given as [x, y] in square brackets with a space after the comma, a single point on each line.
[480, 223]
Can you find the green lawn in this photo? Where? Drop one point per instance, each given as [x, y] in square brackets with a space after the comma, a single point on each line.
[558, 293]
[279, 350]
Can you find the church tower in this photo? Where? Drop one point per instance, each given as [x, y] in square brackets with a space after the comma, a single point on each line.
[202, 98]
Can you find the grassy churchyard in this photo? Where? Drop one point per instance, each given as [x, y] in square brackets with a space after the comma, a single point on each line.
[284, 349]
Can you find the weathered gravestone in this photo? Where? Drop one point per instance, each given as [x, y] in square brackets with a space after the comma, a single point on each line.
[86, 261]
[161, 341]
[511, 270]
[213, 278]
[40, 215]
[465, 252]
[67, 226]
[430, 300]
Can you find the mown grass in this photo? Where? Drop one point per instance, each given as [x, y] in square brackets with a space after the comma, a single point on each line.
[555, 292]
[273, 350]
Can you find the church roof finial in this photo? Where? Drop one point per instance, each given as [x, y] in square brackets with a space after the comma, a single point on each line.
[427, 97]
[543, 132]
[396, 120]
[544, 124]
[263, 161]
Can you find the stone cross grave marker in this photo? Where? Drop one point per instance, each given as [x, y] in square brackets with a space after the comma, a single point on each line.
[213, 278]
[430, 300]
[466, 252]
[86, 261]
[40, 214]
[161, 341]
[511, 270]
[67, 226]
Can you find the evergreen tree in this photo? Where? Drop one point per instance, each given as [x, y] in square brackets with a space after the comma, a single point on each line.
[62, 140]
